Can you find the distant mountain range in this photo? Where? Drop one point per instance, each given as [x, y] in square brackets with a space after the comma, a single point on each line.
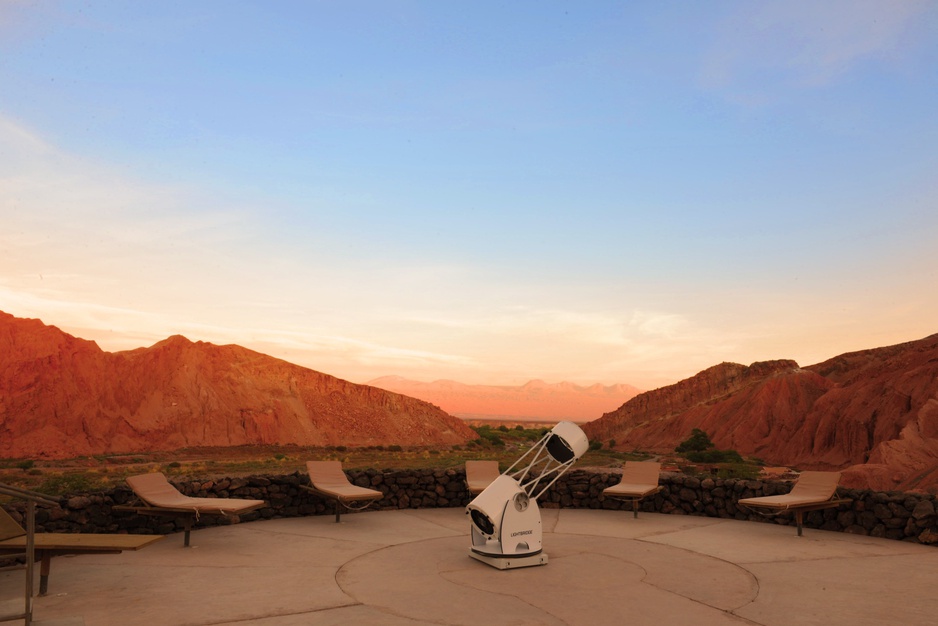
[533, 401]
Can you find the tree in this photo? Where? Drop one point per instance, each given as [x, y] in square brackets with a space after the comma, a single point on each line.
[697, 442]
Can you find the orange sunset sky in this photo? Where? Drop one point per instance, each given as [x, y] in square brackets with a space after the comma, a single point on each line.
[488, 193]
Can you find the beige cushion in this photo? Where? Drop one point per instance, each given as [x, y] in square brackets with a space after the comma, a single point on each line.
[155, 490]
[8, 526]
[810, 488]
[639, 478]
[480, 474]
[328, 478]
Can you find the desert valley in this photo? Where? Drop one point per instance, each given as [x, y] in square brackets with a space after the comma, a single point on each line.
[534, 402]
[873, 413]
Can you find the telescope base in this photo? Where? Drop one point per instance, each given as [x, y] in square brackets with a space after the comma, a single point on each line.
[510, 562]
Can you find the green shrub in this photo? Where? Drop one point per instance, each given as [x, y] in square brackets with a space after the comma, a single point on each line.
[714, 456]
[394, 448]
[596, 445]
[611, 444]
[738, 470]
[697, 442]
[69, 483]
[26, 465]
[533, 434]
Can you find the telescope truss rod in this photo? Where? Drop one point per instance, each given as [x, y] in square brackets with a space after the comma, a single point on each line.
[540, 457]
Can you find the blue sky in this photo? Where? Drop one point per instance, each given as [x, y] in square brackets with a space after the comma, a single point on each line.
[486, 192]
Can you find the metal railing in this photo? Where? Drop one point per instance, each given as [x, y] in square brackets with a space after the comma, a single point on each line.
[32, 499]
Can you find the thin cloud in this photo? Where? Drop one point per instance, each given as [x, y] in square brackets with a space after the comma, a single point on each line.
[805, 44]
[57, 184]
[18, 140]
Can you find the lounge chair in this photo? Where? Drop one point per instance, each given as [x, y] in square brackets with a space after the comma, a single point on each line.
[480, 474]
[13, 540]
[812, 491]
[639, 480]
[158, 497]
[328, 480]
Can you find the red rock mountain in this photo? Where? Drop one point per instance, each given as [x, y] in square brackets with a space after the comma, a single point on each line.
[535, 400]
[61, 397]
[872, 413]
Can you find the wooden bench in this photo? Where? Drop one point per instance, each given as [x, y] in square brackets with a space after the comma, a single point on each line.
[13, 539]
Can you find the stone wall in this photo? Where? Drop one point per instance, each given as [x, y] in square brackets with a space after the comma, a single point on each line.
[902, 516]
[893, 515]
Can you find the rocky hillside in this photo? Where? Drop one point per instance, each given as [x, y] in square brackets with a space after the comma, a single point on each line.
[872, 413]
[535, 400]
[61, 397]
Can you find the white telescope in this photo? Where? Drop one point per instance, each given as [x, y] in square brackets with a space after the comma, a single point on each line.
[505, 520]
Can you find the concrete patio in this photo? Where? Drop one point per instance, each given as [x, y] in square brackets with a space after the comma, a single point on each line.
[409, 567]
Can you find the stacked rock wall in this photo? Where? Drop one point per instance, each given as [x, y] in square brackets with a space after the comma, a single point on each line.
[894, 515]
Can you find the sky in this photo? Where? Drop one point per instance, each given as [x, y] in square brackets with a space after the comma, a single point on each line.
[486, 192]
